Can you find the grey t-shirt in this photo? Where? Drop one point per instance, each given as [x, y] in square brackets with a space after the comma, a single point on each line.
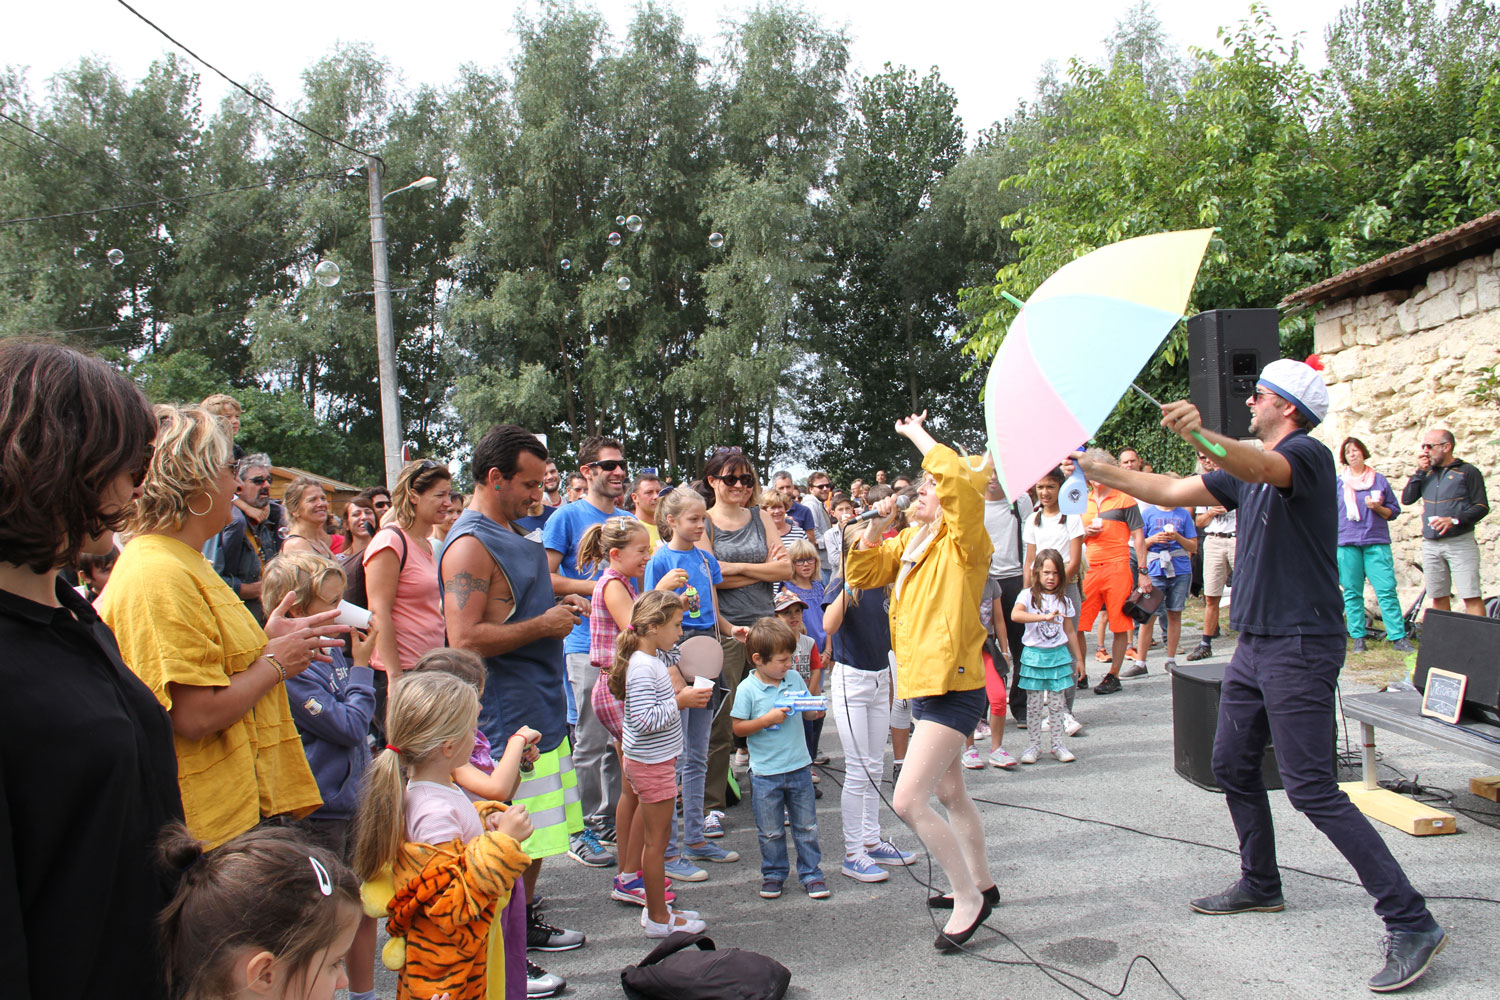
[1005, 532]
[744, 605]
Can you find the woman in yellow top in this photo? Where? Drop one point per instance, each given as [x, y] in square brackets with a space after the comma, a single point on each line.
[936, 570]
[198, 648]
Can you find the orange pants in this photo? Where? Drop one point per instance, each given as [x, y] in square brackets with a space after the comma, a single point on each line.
[1107, 587]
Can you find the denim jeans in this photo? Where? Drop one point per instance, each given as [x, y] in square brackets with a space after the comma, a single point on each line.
[775, 797]
[861, 710]
[692, 767]
[1282, 688]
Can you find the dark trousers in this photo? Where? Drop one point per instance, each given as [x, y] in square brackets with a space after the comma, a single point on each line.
[1282, 688]
[1010, 589]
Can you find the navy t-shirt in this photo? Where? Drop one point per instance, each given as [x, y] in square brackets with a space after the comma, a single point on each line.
[1286, 578]
[863, 641]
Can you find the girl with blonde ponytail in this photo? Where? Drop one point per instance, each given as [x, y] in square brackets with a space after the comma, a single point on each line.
[452, 862]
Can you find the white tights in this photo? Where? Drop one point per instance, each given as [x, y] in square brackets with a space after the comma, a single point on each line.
[957, 843]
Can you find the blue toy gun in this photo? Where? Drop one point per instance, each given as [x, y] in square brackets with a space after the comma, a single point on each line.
[794, 703]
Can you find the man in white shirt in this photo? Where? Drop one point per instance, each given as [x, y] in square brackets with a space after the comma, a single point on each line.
[1002, 519]
[1217, 525]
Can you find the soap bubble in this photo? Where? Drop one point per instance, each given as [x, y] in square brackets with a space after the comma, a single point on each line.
[619, 220]
[613, 239]
[716, 240]
[116, 257]
[566, 264]
[623, 283]
[766, 280]
[608, 263]
[327, 273]
[634, 223]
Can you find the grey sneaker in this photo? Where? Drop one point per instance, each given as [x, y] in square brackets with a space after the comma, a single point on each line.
[1357, 645]
[1403, 645]
[1203, 652]
[585, 849]
[1136, 669]
[1407, 956]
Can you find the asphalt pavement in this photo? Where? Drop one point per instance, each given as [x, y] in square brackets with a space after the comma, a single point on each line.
[1087, 885]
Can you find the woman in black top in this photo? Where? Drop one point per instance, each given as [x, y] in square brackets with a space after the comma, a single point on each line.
[88, 775]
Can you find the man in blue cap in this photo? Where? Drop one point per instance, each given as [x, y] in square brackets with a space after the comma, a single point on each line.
[1283, 678]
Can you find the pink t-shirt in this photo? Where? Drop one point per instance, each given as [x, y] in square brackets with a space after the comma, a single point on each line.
[439, 814]
[418, 611]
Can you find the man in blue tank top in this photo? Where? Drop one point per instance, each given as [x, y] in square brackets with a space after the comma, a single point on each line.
[498, 602]
[1282, 681]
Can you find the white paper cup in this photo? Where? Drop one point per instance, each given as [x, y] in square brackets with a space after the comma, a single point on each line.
[703, 682]
[1097, 522]
[353, 615]
[1374, 496]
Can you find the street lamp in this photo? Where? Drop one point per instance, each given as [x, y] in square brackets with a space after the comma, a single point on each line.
[385, 329]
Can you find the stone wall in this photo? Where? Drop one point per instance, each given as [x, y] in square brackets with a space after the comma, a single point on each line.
[1399, 362]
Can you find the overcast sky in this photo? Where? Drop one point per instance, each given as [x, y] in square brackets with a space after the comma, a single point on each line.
[989, 52]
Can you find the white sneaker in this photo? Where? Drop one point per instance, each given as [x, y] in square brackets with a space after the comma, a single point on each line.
[982, 731]
[999, 758]
[1031, 755]
[677, 920]
[1071, 726]
[741, 759]
[1064, 755]
[972, 759]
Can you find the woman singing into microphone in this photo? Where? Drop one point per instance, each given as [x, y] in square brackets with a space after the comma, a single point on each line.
[936, 570]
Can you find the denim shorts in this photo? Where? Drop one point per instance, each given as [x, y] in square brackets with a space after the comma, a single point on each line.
[1176, 590]
[960, 710]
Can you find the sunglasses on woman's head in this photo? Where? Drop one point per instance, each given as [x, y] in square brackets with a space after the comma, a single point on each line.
[744, 479]
[138, 474]
[610, 465]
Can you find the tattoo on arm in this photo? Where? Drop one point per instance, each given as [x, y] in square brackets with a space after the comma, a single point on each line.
[463, 585]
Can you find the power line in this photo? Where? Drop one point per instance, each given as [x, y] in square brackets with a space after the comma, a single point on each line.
[241, 87]
[159, 201]
[210, 223]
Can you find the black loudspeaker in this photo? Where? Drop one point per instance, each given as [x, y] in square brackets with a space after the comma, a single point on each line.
[1468, 645]
[1227, 348]
[1195, 720]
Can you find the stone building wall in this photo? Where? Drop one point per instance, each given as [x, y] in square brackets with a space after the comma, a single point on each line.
[1398, 362]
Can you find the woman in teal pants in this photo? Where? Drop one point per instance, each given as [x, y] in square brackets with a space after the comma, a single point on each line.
[1366, 506]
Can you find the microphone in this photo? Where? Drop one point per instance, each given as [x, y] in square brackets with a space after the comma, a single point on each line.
[902, 502]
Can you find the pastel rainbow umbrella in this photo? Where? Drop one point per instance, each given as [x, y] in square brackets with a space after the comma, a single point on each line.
[1077, 344]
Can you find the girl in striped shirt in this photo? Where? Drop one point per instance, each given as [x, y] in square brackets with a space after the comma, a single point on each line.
[653, 739]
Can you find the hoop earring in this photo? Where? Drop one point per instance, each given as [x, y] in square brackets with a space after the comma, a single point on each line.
[201, 513]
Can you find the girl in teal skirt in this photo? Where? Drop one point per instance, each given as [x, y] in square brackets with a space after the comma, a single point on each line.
[1048, 667]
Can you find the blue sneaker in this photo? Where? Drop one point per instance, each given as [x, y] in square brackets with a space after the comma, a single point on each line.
[887, 853]
[683, 870]
[710, 852]
[862, 869]
[713, 828]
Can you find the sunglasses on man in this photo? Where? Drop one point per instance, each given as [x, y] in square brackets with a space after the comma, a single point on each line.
[611, 464]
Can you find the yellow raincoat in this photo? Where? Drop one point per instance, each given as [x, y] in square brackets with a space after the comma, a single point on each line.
[935, 627]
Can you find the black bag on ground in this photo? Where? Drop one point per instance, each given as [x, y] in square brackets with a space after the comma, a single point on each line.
[677, 970]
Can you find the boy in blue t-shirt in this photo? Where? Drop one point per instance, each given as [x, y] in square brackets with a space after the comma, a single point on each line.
[780, 767]
[1171, 540]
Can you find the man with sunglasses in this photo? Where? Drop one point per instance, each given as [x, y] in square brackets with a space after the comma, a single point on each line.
[1281, 684]
[821, 487]
[602, 463]
[1453, 502]
[253, 535]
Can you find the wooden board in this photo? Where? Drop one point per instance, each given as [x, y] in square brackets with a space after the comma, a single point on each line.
[1406, 815]
[1488, 788]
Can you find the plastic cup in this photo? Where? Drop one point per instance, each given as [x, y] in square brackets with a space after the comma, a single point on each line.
[703, 682]
[353, 615]
[1097, 522]
[1374, 496]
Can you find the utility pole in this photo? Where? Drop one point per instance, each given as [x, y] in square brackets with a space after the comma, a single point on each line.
[385, 328]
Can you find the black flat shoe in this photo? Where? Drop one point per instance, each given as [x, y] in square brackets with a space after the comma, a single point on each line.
[949, 943]
[991, 896]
